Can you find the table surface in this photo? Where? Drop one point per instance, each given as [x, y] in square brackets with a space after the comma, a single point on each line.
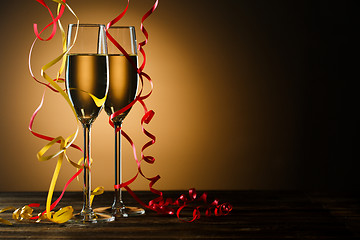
[255, 215]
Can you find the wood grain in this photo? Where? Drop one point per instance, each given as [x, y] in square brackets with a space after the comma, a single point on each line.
[256, 215]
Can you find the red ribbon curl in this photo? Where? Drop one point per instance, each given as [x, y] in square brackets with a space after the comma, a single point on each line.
[54, 20]
[36, 31]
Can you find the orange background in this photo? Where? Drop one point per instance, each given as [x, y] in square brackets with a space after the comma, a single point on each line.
[247, 95]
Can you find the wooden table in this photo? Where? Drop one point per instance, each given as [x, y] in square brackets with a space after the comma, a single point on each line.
[256, 215]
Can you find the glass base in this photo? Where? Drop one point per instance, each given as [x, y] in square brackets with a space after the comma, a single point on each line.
[123, 212]
[81, 218]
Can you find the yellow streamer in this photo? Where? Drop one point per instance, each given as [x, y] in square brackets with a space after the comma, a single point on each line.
[63, 215]
[26, 213]
[23, 213]
[98, 101]
[97, 191]
[4, 221]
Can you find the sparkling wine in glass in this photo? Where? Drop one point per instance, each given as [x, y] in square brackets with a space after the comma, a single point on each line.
[86, 82]
[123, 83]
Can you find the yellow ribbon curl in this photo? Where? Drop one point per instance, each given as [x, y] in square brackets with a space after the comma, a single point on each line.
[4, 221]
[26, 213]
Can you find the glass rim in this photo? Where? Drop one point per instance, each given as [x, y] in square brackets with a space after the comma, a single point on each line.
[87, 25]
[122, 27]
[98, 25]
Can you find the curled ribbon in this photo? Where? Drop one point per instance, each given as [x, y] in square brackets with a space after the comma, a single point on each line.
[26, 213]
[211, 208]
[4, 221]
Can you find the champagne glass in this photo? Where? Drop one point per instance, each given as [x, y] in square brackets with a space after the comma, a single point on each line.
[86, 82]
[123, 83]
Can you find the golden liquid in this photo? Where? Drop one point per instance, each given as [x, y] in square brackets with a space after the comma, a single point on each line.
[123, 82]
[86, 74]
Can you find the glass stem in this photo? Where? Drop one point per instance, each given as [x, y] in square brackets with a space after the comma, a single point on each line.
[118, 204]
[87, 211]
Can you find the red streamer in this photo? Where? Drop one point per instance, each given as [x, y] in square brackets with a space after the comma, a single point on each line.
[55, 203]
[54, 20]
[41, 136]
[53, 23]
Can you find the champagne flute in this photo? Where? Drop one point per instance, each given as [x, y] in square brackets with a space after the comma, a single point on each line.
[123, 83]
[86, 82]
